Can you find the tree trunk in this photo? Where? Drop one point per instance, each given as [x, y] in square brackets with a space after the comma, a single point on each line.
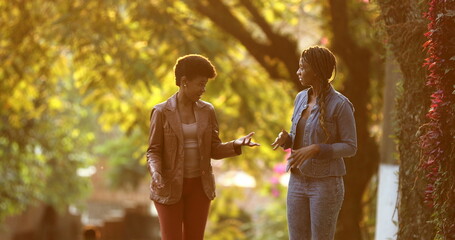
[405, 28]
[364, 164]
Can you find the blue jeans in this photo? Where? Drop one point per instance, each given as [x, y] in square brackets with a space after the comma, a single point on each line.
[313, 205]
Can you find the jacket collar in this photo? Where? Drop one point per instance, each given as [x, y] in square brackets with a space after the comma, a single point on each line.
[171, 103]
[201, 114]
[328, 91]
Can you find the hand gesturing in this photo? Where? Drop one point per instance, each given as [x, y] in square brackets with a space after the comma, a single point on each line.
[246, 141]
[280, 140]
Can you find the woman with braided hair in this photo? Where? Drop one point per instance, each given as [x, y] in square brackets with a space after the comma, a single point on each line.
[322, 133]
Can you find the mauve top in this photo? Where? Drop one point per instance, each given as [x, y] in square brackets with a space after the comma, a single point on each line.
[191, 166]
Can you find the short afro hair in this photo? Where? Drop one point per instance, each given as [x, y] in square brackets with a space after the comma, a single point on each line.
[193, 65]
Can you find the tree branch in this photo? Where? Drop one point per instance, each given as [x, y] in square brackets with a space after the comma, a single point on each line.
[258, 19]
[279, 57]
[340, 28]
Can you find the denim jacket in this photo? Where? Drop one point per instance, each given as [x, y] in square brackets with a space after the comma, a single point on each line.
[340, 124]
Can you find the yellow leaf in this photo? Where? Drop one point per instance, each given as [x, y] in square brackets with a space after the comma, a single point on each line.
[55, 103]
[108, 59]
[75, 133]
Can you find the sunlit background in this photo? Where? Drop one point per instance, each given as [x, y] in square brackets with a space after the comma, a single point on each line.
[78, 80]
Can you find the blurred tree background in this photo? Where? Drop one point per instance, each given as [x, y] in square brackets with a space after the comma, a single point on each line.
[78, 79]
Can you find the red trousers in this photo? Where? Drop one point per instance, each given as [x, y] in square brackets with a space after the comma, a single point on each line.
[185, 219]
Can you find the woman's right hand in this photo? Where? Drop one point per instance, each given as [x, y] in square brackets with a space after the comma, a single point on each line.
[157, 180]
[281, 139]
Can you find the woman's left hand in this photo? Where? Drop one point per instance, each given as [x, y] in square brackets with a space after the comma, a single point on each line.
[246, 141]
[302, 154]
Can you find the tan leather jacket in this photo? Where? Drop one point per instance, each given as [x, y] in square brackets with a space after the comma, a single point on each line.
[165, 152]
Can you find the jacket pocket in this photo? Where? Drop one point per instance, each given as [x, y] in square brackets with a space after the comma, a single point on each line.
[208, 182]
[212, 181]
[212, 184]
[166, 190]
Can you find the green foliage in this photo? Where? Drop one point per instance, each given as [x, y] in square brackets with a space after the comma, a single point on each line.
[272, 222]
[78, 74]
[227, 220]
[41, 154]
[116, 58]
[42, 143]
[125, 155]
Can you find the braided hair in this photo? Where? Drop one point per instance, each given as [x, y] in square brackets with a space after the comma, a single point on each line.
[323, 63]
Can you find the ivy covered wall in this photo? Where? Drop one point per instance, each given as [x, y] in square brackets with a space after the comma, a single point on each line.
[421, 36]
[437, 143]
